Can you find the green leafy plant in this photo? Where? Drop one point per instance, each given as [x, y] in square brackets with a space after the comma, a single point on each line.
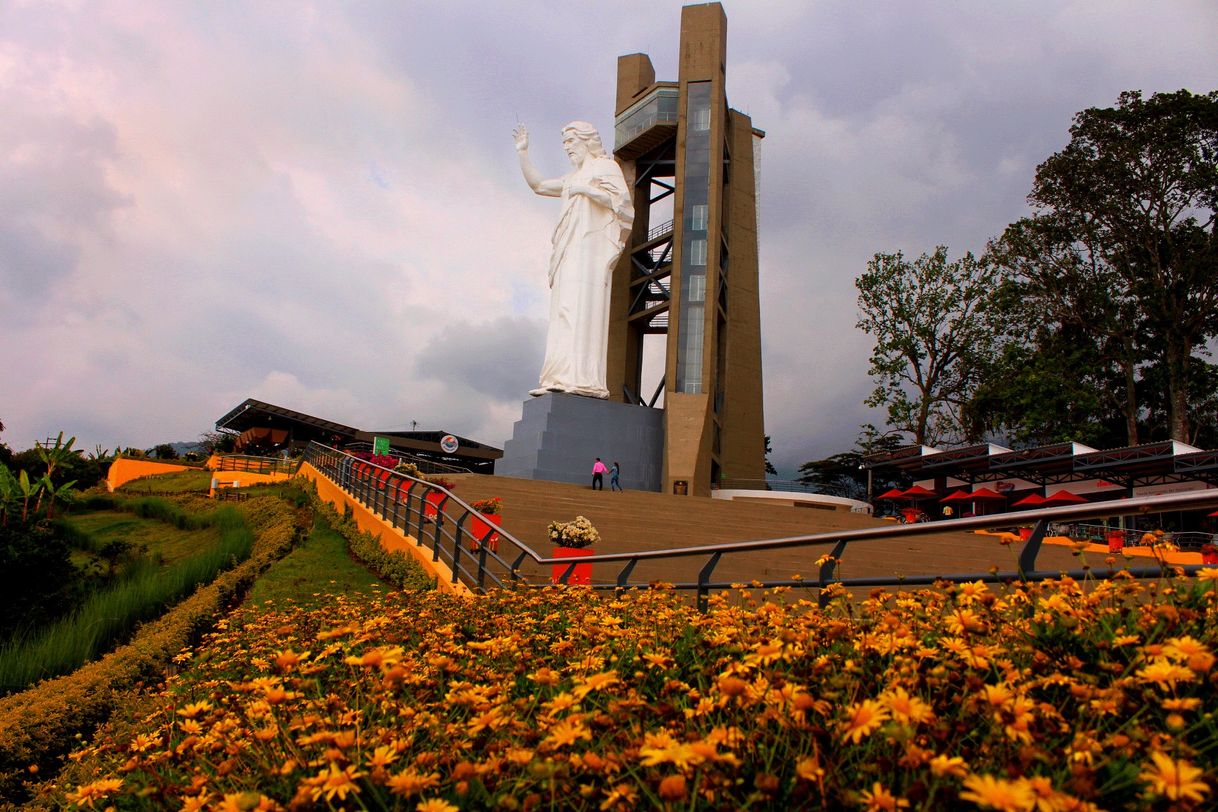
[490, 507]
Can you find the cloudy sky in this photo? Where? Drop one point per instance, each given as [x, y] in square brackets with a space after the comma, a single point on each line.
[318, 204]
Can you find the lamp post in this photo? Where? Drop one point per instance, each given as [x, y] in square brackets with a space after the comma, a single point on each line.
[868, 468]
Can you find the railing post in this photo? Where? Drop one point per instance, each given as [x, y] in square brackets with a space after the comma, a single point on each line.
[513, 571]
[458, 535]
[623, 577]
[826, 573]
[435, 542]
[704, 579]
[1027, 556]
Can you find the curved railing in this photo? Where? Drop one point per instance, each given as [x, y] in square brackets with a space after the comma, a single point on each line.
[400, 499]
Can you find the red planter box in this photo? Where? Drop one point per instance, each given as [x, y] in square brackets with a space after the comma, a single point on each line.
[583, 572]
[1116, 541]
[479, 525]
[432, 504]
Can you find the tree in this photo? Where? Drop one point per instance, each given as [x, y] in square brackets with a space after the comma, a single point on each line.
[846, 474]
[165, 451]
[932, 326]
[217, 442]
[769, 467]
[1122, 240]
[1050, 382]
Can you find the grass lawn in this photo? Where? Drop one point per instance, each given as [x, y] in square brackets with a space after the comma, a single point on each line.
[159, 537]
[176, 482]
[318, 568]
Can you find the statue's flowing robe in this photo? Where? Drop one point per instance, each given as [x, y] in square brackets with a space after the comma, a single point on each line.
[588, 241]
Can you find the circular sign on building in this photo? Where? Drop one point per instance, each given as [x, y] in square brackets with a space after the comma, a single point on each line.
[449, 444]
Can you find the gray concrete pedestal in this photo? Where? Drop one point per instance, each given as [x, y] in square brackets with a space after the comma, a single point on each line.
[559, 436]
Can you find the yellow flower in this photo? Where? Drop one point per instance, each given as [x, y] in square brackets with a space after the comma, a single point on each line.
[383, 756]
[1166, 674]
[997, 793]
[410, 782]
[333, 781]
[1192, 652]
[861, 719]
[1207, 574]
[194, 709]
[948, 765]
[1174, 780]
[623, 794]
[905, 708]
[566, 733]
[595, 683]
[87, 794]
[878, 798]
[809, 769]
[436, 805]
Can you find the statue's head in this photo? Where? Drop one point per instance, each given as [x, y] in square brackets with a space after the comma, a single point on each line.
[585, 134]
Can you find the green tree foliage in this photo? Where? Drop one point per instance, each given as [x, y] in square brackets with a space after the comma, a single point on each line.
[846, 474]
[769, 467]
[165, 451]
[37, 577]
[1122, 246]
[933, 329]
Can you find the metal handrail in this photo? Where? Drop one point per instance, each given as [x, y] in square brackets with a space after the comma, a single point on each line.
[250, 464]
[1040, 518]
[425, 465]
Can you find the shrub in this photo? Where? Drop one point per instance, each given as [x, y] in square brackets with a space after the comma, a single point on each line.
[39, 725]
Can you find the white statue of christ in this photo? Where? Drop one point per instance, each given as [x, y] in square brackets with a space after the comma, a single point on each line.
[592, 231]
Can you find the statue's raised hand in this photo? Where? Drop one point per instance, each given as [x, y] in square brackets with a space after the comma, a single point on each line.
[521, 134]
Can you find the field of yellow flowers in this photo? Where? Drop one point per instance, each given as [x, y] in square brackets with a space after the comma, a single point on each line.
[1052, 696]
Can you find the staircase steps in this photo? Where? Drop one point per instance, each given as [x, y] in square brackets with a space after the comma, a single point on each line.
[634, 521]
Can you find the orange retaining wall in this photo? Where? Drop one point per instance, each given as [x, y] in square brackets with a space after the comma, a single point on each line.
[123, 470]
[389, 536]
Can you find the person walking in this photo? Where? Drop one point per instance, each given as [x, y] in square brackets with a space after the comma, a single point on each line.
[598, 475]
[614, 473]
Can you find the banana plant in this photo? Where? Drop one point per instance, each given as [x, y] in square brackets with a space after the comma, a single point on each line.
[28, 490]
[49, 488]
[53, 455]
[8, 494]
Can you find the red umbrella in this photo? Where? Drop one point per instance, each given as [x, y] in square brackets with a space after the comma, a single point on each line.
[986, 493]
[918, 492]
[1031, 500]
[1214, 514]
[1064, 498]
[891, 493]
[958, 496]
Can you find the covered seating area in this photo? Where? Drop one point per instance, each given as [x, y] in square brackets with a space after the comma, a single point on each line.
[989, 478]
[267, 429]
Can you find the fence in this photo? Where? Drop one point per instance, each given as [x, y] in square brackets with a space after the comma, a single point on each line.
[258, 465]
[442, 522]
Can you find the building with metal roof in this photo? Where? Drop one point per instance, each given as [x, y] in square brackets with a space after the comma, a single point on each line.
[273, 429]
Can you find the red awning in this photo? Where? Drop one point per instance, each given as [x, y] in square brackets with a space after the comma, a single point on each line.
[983, 494]
[1031, 500]
[1064, 498]
[891, 493]
[958, 496]
[918, 492]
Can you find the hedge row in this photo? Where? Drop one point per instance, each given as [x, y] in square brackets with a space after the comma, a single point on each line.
[40, 725]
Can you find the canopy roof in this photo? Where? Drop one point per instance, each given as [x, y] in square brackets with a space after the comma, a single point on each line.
[279, 427]
[1146, 464]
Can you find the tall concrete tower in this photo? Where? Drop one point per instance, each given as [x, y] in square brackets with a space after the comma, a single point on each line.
[691, 275]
